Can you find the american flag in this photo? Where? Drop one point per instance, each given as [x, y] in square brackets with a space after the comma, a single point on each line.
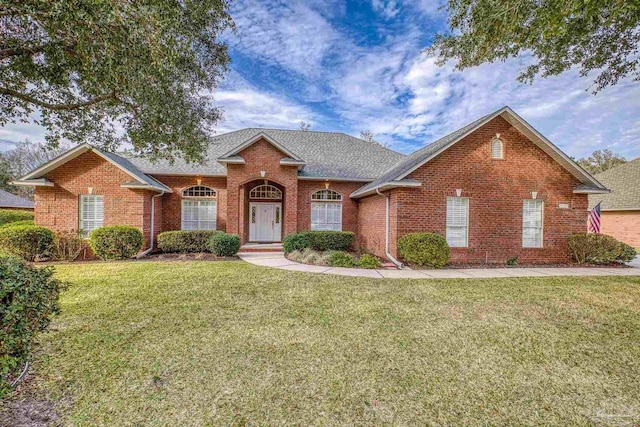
[594, 219]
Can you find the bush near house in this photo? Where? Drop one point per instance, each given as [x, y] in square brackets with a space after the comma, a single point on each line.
[424, 249]
[341, 259]
[185, 241]
[592, 248]
[28, 300]
[223, 244]
[115, 241]
[23, 222]
[369, 261]
[28, 242]
[68, 245]
[295, 242]
[330, 240]
[8, 215]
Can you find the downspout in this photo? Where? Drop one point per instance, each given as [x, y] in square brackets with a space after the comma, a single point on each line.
[153, 212]
[386, 234]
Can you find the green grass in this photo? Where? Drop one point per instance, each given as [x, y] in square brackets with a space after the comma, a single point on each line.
[227, 343]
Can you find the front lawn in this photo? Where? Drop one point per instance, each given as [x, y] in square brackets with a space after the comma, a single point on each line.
[228, 343]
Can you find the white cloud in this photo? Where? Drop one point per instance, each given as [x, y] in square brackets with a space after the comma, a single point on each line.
[294, 36]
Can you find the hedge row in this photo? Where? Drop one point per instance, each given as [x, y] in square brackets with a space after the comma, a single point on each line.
[318, 241]
[28, 242]
[28, 300]
[8, 215]
[185, 241]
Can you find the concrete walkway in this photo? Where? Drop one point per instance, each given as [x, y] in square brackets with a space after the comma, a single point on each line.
[277, 260]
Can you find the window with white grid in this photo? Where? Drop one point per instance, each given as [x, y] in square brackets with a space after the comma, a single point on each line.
[199, 191]
[326, 216]
[198, 214]
[458, 222]
[497, 149]
[266, 191]
[91, 213]
[326, 195]
[532, 217]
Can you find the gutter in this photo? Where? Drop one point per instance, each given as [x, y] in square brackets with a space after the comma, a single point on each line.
[153, 212]
[386, 234]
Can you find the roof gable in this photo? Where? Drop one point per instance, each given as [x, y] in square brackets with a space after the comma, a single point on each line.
[36, 176]
[420, 157]
[260, 136]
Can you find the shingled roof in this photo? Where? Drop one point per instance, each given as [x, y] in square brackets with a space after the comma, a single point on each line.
[396, 176]
[624, 183]
[325, 154]
[8, 200]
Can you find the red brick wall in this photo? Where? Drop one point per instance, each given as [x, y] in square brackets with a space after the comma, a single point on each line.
[623, 225]
[496, 190]
[349, 206]
[171, 215]
[261, 156]
[57, 207]
[372, 225]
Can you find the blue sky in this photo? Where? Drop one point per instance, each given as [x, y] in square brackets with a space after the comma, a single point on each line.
[355, 65]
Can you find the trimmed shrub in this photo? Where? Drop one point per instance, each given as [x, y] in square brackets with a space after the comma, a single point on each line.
[295, 242]
[115, 241]
[627, 253]
[330, 240]
[28, 242]
[341, 259]
[28, 300]
[223, 244]
[424, 249]
[13, 224]
[185, 241]
[592, 248]
[68, 245]
[369, 261]
[8, 215]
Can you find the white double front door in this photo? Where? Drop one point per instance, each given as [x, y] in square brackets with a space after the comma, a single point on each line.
[265, 222]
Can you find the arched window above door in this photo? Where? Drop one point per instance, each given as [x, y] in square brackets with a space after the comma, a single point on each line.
[265, 192]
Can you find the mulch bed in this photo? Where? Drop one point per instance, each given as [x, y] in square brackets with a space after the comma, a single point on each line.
[26, 408]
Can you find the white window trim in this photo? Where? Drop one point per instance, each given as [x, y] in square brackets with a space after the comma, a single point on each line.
[541, 225]
[81, 207]
[183, 221]
[466, 242]
[497, 140]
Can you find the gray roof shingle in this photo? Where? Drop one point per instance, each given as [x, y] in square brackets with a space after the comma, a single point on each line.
[624, 183]
[327, 155]
[411, 161]
[8, 200]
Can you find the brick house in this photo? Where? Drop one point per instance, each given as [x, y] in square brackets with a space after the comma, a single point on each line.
[621, 208]
[495, 189]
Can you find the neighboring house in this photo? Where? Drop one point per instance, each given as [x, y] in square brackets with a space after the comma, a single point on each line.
[620, 208]
[495, 189]
[11, 201]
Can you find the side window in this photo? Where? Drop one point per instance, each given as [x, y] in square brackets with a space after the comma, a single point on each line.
[532, 222]
[91, 213]
[326, 210]
[458, 222]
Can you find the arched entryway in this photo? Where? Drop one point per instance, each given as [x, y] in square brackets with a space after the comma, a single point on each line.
[264, 211]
